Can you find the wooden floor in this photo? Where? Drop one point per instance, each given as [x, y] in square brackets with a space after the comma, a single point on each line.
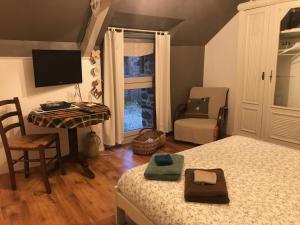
[75, 200]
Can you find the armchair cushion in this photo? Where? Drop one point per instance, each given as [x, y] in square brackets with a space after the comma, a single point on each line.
[217, 98]
[195, 130]
[197, 108]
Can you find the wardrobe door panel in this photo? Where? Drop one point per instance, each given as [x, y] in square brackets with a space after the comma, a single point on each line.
[249, 114]
[282, 108]
[252, 60]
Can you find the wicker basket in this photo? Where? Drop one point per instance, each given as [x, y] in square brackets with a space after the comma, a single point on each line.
[148, 141]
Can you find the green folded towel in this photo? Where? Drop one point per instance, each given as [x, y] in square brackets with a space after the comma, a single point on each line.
[164, 173]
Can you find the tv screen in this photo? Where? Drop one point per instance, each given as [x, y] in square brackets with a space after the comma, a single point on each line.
[55, 67]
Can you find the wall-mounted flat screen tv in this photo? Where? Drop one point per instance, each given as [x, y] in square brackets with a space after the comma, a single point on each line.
[56, 67]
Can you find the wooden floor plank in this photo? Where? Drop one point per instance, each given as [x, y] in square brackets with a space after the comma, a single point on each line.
[75, 200]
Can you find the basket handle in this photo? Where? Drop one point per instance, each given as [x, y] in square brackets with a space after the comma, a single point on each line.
[146, 128]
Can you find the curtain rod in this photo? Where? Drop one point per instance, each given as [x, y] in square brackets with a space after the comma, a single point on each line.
[138, 30]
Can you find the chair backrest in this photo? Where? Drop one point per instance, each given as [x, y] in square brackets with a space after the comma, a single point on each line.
[217, 98]
[5, 128]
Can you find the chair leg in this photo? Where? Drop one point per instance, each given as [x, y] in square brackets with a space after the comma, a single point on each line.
[44, 171]
[11, 171]
[26, 164]
[216, 133]
[58, 156]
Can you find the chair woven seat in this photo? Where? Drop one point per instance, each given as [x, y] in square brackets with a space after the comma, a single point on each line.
[31, 142]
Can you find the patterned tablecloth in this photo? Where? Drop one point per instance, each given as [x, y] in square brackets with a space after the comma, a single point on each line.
[72, 117]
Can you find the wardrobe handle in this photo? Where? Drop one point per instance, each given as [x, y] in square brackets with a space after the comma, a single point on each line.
[263, 76]
[271, 76]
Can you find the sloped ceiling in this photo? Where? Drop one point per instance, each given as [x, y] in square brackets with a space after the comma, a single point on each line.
[195, 21]
[202, 19]
[39, 20]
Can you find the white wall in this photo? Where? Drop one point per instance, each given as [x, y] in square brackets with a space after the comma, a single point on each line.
[220, 64]
[17, 80]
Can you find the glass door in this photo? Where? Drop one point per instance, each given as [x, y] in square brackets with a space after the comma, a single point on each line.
[281, 121]
[139, 111]
[287, 87]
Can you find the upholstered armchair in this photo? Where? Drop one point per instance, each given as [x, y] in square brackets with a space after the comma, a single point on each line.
[212, 126]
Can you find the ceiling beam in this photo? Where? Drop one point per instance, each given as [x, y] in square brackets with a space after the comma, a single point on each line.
[107, 21]
[18, 48]
[99, 13]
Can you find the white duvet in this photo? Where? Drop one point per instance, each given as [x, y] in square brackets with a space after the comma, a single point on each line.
[263, 182]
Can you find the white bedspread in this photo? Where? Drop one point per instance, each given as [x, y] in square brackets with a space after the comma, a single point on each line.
[263, 182]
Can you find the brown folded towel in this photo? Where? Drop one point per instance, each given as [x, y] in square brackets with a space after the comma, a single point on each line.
[206, 193]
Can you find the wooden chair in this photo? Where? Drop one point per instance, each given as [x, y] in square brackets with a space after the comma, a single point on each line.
[26, 143]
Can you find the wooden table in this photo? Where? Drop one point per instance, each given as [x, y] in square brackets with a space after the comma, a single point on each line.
[72, 119]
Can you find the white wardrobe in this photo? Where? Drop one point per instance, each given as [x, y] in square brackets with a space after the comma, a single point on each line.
[268, 101]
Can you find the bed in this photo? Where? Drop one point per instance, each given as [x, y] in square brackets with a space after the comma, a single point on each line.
[263, 182]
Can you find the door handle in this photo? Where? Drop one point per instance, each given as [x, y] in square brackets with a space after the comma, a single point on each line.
[271, 76]
[263, 76]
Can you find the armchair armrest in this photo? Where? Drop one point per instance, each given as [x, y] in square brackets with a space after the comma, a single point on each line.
[222, 121]
[180, 109]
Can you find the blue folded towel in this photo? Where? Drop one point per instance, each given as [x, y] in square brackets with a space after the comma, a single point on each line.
[165, 173]
[163, 160]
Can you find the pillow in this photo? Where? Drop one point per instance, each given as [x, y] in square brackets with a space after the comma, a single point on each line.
[197, 108]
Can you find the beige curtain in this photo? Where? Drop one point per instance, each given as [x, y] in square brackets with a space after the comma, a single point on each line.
[162, 82]
[114, 86]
